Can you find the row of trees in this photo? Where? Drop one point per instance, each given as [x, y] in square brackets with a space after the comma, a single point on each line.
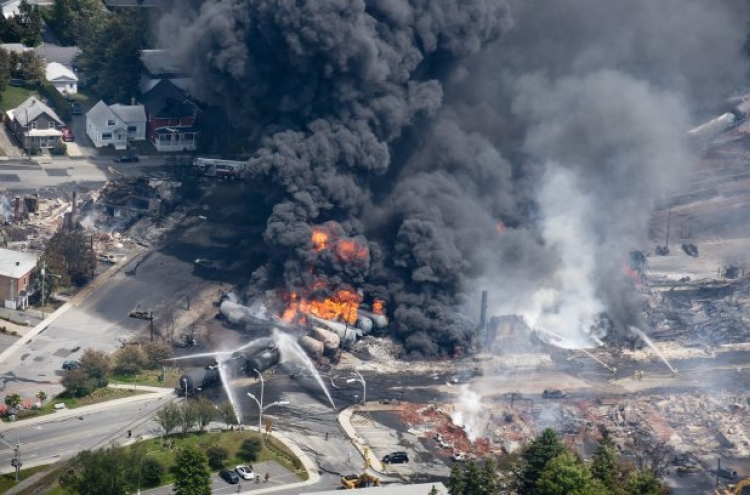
[121, 471]
[96, 366]
[546, 467]
[199, 412]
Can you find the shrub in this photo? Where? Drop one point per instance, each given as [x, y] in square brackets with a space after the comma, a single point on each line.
[250, 449]
[151, 472]
[216, 456]
[60, 149]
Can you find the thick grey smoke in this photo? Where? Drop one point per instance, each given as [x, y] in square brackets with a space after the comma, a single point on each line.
[526, 164]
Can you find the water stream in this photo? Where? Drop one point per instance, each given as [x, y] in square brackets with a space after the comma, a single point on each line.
[648, 341]
[291, 351]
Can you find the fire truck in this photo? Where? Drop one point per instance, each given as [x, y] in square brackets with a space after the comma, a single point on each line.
[221, 169]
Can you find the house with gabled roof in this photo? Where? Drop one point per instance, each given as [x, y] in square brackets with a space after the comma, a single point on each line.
[171, 118]
[63, 79]
[35, 125]
[115, 125]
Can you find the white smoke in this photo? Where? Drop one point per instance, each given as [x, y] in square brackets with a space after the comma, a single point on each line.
[468, 413]
[567, 306]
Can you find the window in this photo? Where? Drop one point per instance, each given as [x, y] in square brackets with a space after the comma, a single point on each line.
[111, 122]
[187, 137]
[51, 125]
[106, 136]
[33, 125]
[132, 129]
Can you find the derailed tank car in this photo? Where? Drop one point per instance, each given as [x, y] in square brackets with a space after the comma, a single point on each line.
[198, 379]
[262, 360]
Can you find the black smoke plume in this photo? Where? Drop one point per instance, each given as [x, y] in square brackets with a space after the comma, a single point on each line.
[470, 151]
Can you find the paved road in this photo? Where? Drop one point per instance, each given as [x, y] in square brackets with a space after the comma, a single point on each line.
[61, 435]
[152, 281]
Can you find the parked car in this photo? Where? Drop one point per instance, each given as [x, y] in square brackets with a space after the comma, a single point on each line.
[553, 394]
[245, 472]
[207, 264]
[71, 365]
[459, 457]
[396, 458]
[67, 135]
[76, 108]
[17, 82]
[127, 159]
[229, 476]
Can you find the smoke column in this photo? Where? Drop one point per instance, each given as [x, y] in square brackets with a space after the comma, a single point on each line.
[467, 150]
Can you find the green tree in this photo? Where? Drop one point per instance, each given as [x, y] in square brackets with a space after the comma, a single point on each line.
[69, 254]
[643, 482]
[152, 472]
[433, 491]
[96, 365]
[77, 383]
[226, 413]
[110, 470]
[129, 360]
[5, 68]
[156, 353]
[30, 67]
[30, 23]
[191, 472]
[13, 401]
[169, 417]
[113, 54]
[604, 463]
[456, 481]
[539, 452]
[250, 449]
[488, 476]
[41, 395]
[205, 412]
[472, 479]
[566, 475]
[216, 456]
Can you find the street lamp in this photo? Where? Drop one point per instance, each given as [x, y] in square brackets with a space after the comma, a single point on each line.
[262, 409]
[361, 380]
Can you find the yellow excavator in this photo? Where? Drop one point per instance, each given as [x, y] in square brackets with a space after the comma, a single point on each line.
[350, 481]
[741, 488]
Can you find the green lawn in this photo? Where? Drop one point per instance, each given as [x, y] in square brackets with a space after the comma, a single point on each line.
[98, 396]
[8, 481]
[230, 440]
[149, 378]
[14, 96]
[273, 450]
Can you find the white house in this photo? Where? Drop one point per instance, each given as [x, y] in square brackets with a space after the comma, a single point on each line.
[10, 8]
[63, 79]
[115, 125]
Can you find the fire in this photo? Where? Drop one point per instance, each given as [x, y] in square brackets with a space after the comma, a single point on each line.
[349, 250]
[378, 306]
[319, 239]
[342, 305]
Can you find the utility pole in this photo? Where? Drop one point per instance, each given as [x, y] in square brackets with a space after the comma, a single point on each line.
[16, 461]
[151, 323]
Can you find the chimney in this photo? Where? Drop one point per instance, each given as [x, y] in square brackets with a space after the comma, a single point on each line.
[73, 212]
[132, 100]
[17, 210]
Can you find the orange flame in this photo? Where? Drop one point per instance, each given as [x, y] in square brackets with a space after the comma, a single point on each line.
[378, 306]
[342, 305]
[349, 250]
[319, 239]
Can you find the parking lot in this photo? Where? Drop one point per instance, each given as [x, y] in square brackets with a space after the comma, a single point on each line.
[384, 432]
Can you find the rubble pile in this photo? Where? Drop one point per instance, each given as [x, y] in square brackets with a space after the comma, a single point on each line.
[701, 314]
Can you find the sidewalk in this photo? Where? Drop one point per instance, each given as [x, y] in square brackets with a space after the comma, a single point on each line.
[360, 444]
